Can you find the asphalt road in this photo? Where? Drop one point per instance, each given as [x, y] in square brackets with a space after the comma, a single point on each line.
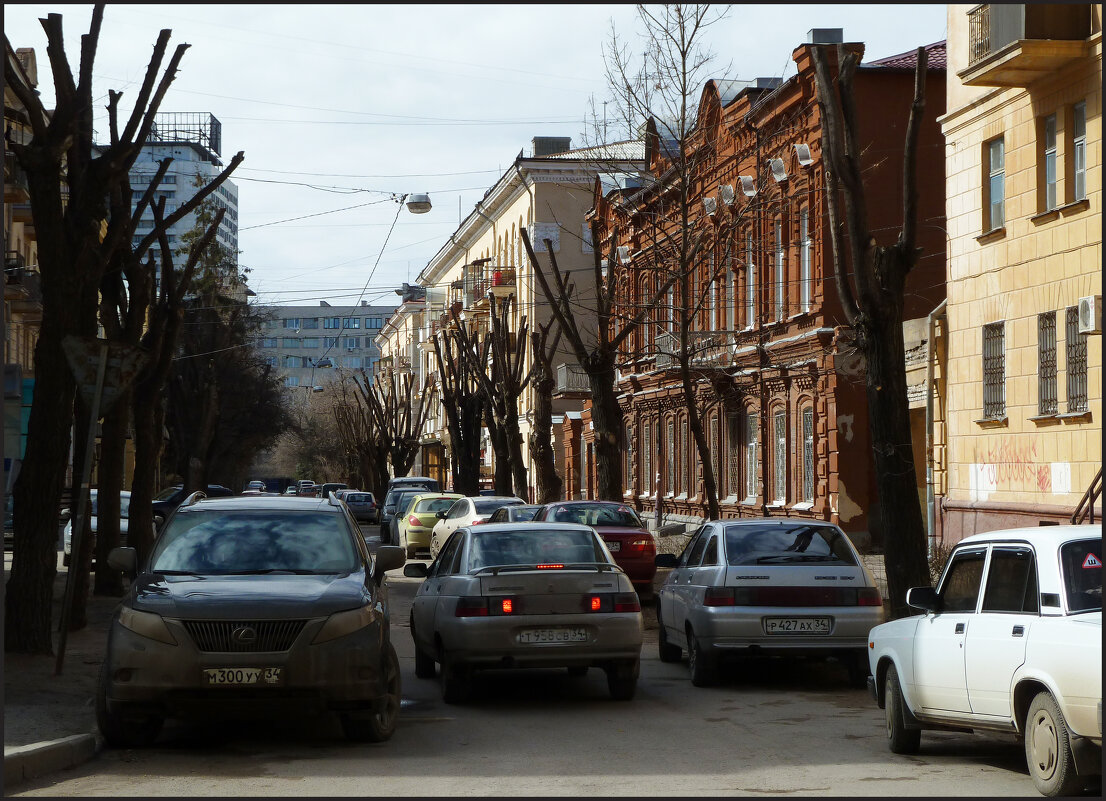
[769, 729]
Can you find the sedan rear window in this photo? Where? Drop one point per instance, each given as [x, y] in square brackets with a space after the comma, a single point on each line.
[1081, 563]
[433, 505]
[243, 542]
[535, 546]
[355, 497]
[616, 514]
[766, 545]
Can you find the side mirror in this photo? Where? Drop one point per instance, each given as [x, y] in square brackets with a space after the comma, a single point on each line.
[124, 560]
[415, 570]
[923, 598]
[667, 560]
[442, 514]
[388, 557]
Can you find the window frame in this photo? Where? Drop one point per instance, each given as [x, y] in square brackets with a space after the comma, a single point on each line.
[994, 370]
[1049, 152]
[779, 466]
[806, 418]
[1075, 363]
[995, 175]
[1048, 401]
[1079, 151]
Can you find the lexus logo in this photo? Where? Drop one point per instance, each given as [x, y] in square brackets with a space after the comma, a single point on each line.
[244, 635]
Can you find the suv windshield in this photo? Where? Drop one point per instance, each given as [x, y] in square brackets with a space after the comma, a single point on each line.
[222, 542]
[757, 545]
[1081, 563]
[535, 546]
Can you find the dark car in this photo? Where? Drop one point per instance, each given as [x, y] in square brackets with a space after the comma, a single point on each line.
[632, 545]
[330, 486]
[415, 482]
[166, 501]
[388, 511]
[520, 513]
[362, 504]
[252, 607]
[9, 529]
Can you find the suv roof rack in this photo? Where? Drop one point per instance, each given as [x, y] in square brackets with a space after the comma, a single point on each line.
[198, 495]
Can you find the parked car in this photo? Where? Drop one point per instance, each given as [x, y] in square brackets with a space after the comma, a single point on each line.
[391, 501]
[766, 587]
[344, 491]
[308, 490]
[633, 545]
[520, 595]
[416, 524]
[166, 501]
[468, 511]
[290, 490]
[124, 520]
[256, 484]
[1010, 641]
[515, 513]
[415, 482]
[362, 505]
[329, 487]
[403, 507]
[9, 528]
[252, 607]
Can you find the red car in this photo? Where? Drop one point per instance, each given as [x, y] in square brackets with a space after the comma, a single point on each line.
[632, 545]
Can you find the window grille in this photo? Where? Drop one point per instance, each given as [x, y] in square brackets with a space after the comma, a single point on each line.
[808, 455]
[807, 275]
[713, 321]
[994, 370]
[731, 294]
[648, 480]
[734, 454]
[997, 183]
[751, 435]
[1079, 150]
[779, 270]
[1050, 162]
[628, 473]
[670, 459]
[750, 283]
[682, 482]
[1046, 363]
[779, 431]
[1076, 352]
[715, 444]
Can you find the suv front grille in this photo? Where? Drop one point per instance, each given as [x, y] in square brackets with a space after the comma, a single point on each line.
[231, 636]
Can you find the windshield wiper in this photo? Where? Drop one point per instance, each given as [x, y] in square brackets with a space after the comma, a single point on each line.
[266, 570]
[176, 572]
[797, 557]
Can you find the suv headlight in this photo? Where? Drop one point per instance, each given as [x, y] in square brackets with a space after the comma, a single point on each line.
[342, 623]
[146, 624]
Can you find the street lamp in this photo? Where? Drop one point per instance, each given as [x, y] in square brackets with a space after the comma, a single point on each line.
[418, 203]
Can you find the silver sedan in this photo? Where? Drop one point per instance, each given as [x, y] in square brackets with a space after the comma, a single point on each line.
[525, 595]
[767, 587]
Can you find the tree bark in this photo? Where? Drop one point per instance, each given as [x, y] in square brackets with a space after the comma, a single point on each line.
[113, 442]
[547, 483]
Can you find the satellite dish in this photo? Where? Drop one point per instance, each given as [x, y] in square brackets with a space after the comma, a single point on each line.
[778, 170]
[802, 152]
[726, 191]
[418, 204]
[748, 188]
[624, 254]
[709, 206]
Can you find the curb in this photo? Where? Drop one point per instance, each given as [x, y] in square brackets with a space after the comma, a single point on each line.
[31, 761]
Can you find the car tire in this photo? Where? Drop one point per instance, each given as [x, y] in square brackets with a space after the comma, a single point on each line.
[578, 671]
[1048, 750]
[665, 650]
[703, 666]
[424, 662]
[858, 668]
[119, 730]
[65, 560]
[380, 725]
[622, 679]
[454, 678]
[900, 739]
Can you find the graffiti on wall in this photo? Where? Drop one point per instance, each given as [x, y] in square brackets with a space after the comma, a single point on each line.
[1011, 464]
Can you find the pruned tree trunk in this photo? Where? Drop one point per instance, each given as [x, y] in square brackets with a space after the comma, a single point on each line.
[549, 486]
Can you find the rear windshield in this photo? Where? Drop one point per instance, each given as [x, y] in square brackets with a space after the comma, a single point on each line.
[767, 545]
[228, 542]
[535, 546]
[356, 497]
[433, 505]
[1081, 563]
[615, 514]
[487, 507]
[525, 513]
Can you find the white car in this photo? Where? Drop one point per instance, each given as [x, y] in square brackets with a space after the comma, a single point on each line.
[466, 512]
[124, 517]
[1010, 641]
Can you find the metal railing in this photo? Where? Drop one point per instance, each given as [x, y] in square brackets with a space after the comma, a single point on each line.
[1084, 512]
[572, 378]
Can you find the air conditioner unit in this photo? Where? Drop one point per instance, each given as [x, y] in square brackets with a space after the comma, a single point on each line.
[1090, 314]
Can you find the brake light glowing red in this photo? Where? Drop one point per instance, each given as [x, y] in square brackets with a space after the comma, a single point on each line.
[508, 606]
[642, 545]
[596, 602]
[556, 566]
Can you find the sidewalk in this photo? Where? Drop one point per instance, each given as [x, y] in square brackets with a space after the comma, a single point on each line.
[50, 721]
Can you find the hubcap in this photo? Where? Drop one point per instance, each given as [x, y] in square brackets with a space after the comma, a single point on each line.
[1044, 744]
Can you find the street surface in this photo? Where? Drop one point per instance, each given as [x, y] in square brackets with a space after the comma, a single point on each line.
[768, 729]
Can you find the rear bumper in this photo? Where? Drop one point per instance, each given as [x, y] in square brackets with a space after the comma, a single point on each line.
[493, 642]
[741, 630]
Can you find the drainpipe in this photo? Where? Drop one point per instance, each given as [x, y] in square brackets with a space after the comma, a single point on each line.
[931, 515]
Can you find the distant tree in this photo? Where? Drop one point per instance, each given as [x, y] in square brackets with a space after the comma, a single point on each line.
[463, 400]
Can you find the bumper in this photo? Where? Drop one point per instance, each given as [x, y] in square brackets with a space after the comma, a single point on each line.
[147, 676]
[493, 641]
[640, 571]
[418, 537]
[741, 630]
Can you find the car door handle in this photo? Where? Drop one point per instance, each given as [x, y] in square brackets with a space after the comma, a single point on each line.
[959, 628]
[1019, 631]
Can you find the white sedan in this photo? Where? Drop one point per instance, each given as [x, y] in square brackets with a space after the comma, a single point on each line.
[1010, 641]
[466, 512]
[124, 519]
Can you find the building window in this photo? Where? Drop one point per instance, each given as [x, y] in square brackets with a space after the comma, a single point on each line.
[1079, 151]
[310, 322]
[807, 278]
[330, 342]
[272, 361]
[731, 291]
[351, 322]
[648, 480]
[671, 310]
[750, 283]
[269, 342]
[683, 478]
[351, 342]
[1049, 165]
[332, 322]
[752, 423]
[351, 361]
[629, 469]
[713, 313]
[996, 184]
[289, 342]
[779, 434]
[808, 455]
[1046, 363]
[311, 342]
[291, 322]
[290, 362]
[733, 454]
[670, 459]
[994, 370]
[292, 381]
[1076, 353]
[779, 270]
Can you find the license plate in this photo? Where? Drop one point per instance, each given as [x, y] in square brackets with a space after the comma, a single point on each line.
[796, 625]
[613, 545]
[243, 676]
[553, 635]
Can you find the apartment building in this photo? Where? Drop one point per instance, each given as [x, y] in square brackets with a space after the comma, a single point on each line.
[778, 384]
[1019, 440]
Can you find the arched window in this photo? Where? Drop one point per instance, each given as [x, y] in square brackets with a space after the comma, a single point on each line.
[779, 461]
[806, 431]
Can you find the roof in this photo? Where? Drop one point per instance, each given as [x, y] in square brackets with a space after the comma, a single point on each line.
[1044, 536]
[631, 149]
[936, 53]
[266, 503]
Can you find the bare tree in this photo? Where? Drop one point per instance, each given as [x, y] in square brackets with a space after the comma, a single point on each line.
[548, 484]
[398, 417]
[463, 399]
[871, 281]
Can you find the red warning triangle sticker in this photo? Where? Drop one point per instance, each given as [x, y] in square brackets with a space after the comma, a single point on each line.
[1091, 561]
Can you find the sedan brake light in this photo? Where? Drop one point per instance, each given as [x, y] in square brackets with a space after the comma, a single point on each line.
[414, 521]
[869, 596]
[643, 545]
[471, 606]
[612, 602]
[718, 596]
[627, 602]
[554, 566]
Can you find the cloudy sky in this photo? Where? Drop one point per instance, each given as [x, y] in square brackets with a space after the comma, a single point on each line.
[339, 108]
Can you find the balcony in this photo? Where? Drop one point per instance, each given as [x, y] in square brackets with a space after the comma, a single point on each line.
[1016, 44]
[500, 285]
[16, 188]
[572, 382]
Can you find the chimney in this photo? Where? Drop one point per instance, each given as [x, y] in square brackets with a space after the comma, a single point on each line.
[364, 303]
[551, 145]
[825, 36]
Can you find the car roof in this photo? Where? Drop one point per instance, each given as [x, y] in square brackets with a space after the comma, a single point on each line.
[453, 496]
[267, 503]
[495, 498]
[537, 527]
[1044, 536]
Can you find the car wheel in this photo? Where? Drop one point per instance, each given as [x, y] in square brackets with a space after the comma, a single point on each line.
[900, 739]
[1048, 749]
[859, 670]
[622, 679]
[702, 665]
[65, 560]
[666, 650]
[381, 724]
[119, 730]
[424, 662]
[577, 671]
[454, 678]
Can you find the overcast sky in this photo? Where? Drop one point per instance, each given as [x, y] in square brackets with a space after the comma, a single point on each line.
[340, 106]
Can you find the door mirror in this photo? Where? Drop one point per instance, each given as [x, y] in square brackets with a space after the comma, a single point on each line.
[388, 557]
[667, 560]
[441, 515]
[124, 560]
[415, 570]
[923, 598]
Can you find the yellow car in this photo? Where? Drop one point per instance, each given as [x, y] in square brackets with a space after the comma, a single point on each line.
[413, 530]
